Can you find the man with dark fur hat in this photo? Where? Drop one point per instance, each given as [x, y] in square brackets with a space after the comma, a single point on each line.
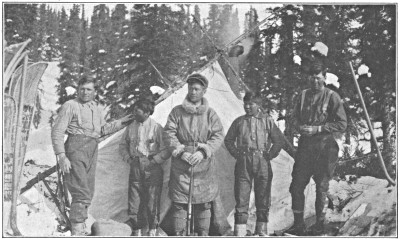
[194, 133]
[249, 141]
[318, 114]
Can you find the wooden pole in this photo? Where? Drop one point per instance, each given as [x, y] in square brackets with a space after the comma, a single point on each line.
[222, 54]
[371, 129]
[163, 79]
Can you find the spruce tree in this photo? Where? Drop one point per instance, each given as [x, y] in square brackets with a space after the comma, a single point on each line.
[69, 62]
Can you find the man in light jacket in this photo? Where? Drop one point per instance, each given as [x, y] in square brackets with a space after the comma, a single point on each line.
[194, 133]
[82, 120]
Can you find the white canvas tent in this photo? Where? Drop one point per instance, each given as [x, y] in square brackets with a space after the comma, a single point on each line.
[111, 192]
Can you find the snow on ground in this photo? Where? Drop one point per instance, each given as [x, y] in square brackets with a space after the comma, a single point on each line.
[371, 210]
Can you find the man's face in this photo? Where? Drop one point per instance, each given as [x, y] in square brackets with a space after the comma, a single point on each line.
[251, 108]
[140, 115]
[86, 92]
[316, 81]
[196, 92]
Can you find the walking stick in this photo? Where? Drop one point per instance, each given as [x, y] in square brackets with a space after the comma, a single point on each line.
[189, 223]
[371, 129]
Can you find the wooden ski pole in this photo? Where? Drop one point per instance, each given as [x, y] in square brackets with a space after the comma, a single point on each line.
[371, 129]
[18, 148]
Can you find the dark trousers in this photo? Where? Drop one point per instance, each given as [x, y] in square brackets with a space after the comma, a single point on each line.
[252, 166]
[144, 195]
[81, 150]
[316, 157]
[201, 218]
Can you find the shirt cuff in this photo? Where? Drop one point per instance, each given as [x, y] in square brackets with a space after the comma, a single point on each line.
[180, 149]
[157, 158]
[58, 149]
[118, 125]
[126, 158]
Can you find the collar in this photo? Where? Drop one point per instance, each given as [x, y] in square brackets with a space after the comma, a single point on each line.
[190, 108]
[146, 122]
[259, 115]
[316, 92]
[89, 103]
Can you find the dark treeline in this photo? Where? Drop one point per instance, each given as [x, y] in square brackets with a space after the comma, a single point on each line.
[116, 44]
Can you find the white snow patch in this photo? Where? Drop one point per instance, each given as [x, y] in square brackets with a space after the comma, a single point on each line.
[70, 90]
[297, 60]
[110, 83]
[332, 79]
[363, 69]
[321, 48]
[156, 89]
[204, 58]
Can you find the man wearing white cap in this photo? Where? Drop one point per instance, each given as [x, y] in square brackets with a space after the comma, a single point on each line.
[318, 114]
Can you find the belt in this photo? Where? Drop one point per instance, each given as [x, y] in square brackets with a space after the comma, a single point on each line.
[84, 135]
[195, 144]
[250, 150]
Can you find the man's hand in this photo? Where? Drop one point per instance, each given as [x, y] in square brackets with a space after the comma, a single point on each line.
[63, 161]
[308, 130]
[196, 158]
[126, 119]
[150, 165]
[185, 156]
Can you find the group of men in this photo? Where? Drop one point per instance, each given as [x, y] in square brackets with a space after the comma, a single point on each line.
[191, 136]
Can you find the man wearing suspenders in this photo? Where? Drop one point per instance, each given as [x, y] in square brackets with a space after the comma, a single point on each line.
[318, 114]
[82, 120]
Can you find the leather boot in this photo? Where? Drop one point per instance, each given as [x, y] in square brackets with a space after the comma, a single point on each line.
[298, 227]
[137, 233]
[261, 229]
[152, 232]
[78, 229]
[240, 230]
[317, 229]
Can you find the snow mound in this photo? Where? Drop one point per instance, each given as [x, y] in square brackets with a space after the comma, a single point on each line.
[36, 215]
[367, 190]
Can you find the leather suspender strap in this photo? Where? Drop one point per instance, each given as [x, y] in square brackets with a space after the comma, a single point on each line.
[303, 96]
[326, 102]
